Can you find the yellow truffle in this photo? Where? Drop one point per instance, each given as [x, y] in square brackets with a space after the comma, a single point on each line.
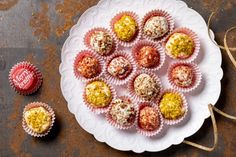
[38, 119]
[125, 28]
[98, 94]
[180, 45]
[171, 106]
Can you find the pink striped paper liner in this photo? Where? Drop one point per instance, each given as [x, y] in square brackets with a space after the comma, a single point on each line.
[196, 41]
[131, 86]
[79, 57]
[46, 107]
[196, 81]
[185, 106]
[98, 110]
[90, 33]
[161, 13]
[146, 132]
[160, 50]
[117, 125]
[114, 80]
[138, 34]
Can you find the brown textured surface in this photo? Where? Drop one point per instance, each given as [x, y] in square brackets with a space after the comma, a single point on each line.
[35, 30]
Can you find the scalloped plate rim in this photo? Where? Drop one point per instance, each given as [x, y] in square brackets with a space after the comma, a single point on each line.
[64, 95]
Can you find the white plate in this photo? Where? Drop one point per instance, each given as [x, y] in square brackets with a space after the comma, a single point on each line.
[209, 62]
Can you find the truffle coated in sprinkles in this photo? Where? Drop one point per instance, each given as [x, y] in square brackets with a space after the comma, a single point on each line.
[101, 42]
[156, 27]
[146, 87]
[98, 94]
[123, 112]
[180, 45]
[119, 67]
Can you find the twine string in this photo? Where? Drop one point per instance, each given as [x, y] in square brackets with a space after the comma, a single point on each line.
[209, 34]
[215, 130]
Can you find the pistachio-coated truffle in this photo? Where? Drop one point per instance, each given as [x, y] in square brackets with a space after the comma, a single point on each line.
[98, 94]
[171, 106]
[126, 28]
[38, 119]
[180, 46]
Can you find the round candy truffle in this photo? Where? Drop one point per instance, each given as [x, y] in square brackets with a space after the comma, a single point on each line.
[146, 87]
[156, 27]
[122, 112]
[98, 94]
[126, 28]
[101, 42]
[180, 46]
[171, 106]
[38, 119]
[148, 118]
[25, 78]
[148, 57]
[182, 76]
[87, 65]
[119, 67]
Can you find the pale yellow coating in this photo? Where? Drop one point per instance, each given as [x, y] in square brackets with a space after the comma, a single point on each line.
[126, 28]
[180, 45]
[38, 119]
[171, 106]
[98, 94]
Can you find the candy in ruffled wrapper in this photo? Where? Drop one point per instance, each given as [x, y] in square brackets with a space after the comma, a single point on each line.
[25, 78]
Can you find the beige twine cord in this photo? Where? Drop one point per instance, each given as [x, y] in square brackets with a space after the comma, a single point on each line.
[210, 106]
[209, 149]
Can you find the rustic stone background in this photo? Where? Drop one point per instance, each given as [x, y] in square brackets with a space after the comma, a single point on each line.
[35, 30]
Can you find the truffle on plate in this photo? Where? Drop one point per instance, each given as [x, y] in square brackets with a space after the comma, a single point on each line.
[119, 67]
[179, 46]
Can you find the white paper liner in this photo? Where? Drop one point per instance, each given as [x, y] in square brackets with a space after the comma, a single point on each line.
[160, 50]
[116, 81]
[197, 79]
[138, 34]
[29, 130]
